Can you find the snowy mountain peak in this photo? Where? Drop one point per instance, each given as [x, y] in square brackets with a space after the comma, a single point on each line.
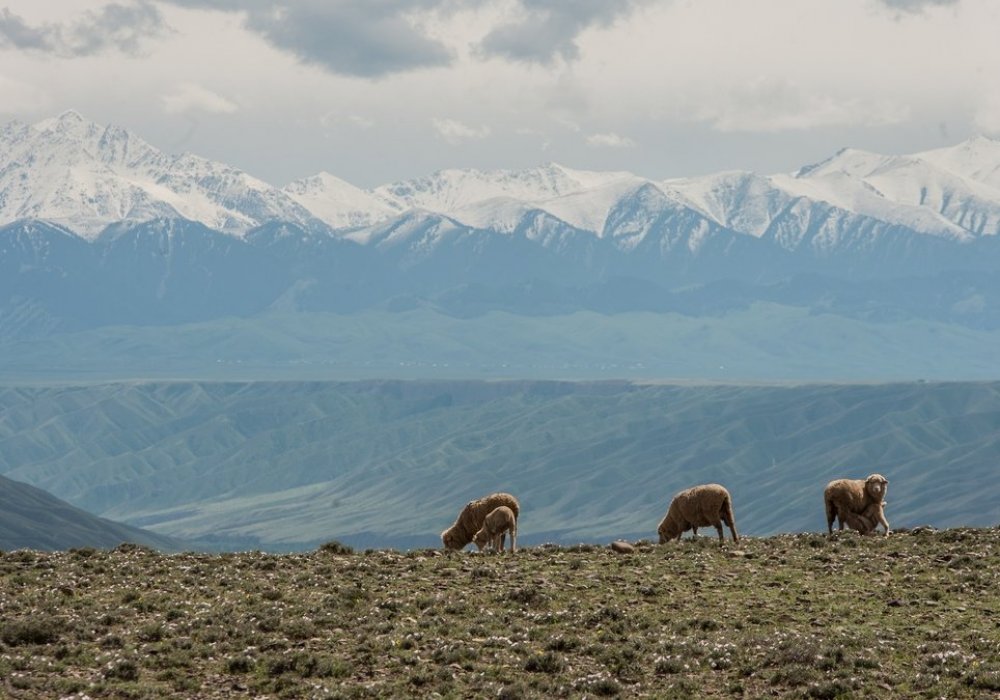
[977, 158]
[85, 176]
[70, 123]
[339, 203]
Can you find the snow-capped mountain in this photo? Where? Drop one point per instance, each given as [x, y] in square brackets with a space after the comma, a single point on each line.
[339, 203]
[75, 173]
[85, 177]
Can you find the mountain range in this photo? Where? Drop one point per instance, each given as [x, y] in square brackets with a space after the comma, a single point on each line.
[83, 176]
[389, 463]
[100, 230]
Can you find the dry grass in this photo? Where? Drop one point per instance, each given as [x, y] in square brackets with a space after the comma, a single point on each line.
[915, 615]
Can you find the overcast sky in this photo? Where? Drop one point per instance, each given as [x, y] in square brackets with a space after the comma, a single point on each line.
[380, 90]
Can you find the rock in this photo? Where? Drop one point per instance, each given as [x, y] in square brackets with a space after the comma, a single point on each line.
[622, 547]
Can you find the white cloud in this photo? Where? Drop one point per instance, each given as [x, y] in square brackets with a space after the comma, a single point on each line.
[610, 140]
[191, 97]
[455, 132]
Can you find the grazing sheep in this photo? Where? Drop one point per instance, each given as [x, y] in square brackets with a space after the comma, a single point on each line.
[470, 520]
[699, 506]
[866, 523]
[845, 497]
[499, 521]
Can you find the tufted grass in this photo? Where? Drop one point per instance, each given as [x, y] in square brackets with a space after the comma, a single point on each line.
[916, 615]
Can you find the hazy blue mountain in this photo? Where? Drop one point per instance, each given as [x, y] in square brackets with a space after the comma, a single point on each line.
[291, 464]
[33, 519]
[105, 241]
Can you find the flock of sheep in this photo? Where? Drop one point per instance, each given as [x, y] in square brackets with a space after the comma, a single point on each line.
[857, 503]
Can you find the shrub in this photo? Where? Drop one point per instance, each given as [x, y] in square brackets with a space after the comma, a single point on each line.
[124, 669]
[526, 595]
[335, 547]
[544, 663]
[31, 631]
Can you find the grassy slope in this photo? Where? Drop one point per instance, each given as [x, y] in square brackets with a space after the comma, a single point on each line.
[765, 342]
[914, 615]
[31, 518]
[294, 464]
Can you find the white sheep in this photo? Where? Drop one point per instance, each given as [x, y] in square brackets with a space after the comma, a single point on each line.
[844, 498]
[498, 522]
[699, 506]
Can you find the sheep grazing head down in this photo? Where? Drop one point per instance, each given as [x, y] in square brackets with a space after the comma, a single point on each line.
[876, 485]
[452, 539]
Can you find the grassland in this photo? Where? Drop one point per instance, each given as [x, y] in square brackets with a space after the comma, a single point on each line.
[913, 615]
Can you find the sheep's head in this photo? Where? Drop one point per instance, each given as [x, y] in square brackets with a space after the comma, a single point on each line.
[668, 530]
[480, 539]
[876, 486]
[451, 539]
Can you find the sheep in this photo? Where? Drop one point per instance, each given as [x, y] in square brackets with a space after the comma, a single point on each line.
[866, 522]
[499, 521]
[699, 506]
[470, 520]
[843, 497]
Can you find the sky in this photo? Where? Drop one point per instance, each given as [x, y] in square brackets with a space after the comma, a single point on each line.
[375, 91]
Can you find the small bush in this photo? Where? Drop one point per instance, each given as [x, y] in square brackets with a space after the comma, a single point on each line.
[124, 670]
[526, 595]
[544, 663]
[985, 678]
[31, 631]
[335, 547]
[240, 664]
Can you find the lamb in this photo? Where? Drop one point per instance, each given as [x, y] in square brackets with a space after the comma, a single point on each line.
[699, 506]
[846, 497]
[866, 523]
[499, 521]
[471, 519]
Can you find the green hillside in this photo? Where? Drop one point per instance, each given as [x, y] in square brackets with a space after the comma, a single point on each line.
[32, 519]
[913, 615]
[287, 465]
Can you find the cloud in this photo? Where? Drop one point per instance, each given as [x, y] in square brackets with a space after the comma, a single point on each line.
[190, 97]
[610, 140]
[914, 6]
[121, 27]
[455, 132]
[362, 38]
[547, 29]
[769, 106]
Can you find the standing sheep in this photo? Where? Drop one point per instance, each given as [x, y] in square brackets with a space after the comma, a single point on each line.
[699, 506]
[843, 497]
[499, 521]
[471, 519]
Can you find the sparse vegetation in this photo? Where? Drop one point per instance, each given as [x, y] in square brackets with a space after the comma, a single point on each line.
[795, 616]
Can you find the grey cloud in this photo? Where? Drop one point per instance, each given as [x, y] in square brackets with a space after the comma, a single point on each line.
[915, 6]
[364, 38]
[550, 27]
[114, 27]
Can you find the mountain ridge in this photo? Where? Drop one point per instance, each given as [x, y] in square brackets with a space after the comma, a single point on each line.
[71, 171]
